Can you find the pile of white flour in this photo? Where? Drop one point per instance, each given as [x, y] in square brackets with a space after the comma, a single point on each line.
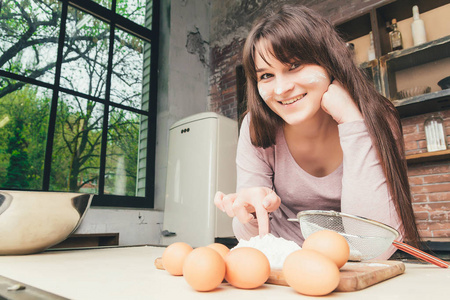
[276, 249]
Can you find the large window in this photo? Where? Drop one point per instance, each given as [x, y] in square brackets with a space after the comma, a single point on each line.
[78, 98]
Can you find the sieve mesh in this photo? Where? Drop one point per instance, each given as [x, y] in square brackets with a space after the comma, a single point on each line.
[367, 239]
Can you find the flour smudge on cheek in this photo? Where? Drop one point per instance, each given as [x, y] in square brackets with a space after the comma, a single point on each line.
[263, 93]
[314, 77]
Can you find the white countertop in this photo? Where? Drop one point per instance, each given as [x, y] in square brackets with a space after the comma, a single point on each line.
[129, 273]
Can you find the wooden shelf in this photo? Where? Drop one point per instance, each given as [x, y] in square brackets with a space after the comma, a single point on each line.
[400, 10]
[417, 55]
[432, 51]
[383, 70]
[422, 104]
[355, 28]
[428, 156]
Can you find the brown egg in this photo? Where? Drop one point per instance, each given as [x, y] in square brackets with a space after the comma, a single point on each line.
[329, 243]
[247, 268]
[204, 269]
[221, 248]
[310, 273]
[173, 257]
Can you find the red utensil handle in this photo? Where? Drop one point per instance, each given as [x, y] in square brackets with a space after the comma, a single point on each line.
[420, 254]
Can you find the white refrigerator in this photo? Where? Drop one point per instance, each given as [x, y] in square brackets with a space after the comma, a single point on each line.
[201, 161]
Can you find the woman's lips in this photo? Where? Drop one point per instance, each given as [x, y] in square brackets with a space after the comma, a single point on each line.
[293, 100]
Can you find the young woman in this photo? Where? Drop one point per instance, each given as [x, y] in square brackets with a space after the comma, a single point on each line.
[317, 135]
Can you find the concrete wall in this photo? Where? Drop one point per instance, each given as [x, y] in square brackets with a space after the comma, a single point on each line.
[135, 226]
[184, 69]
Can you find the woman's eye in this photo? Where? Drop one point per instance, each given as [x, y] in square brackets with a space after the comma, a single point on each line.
[265, 76]
[294, 66]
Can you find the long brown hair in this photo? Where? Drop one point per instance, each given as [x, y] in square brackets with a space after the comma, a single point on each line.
[298, 34]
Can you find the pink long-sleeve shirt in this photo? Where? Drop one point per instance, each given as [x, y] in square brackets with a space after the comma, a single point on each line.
[358, 186]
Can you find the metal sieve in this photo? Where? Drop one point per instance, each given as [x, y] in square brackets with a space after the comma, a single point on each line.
[367, 238]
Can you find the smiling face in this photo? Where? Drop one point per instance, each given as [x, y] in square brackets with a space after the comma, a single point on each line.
[292, 91]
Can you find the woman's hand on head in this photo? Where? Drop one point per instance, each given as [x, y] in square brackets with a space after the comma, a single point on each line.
[338, 103]
[258, 200]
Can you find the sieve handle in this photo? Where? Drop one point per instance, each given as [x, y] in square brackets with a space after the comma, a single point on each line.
[420, 254]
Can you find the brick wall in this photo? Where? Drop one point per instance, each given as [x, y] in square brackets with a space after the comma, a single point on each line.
[223, 96]
[430, 181]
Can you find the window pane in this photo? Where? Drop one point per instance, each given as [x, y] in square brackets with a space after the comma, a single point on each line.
[85, 59]
[24, 117]
[29, 38]
[76, 146]
[122, 153]
[138, 11]
[128, 69]
[105, 3]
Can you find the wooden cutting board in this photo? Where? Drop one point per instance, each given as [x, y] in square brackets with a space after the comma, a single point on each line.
[355, 276]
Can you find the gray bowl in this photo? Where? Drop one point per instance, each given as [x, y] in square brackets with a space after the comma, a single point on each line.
[31, 222]
[444, 83]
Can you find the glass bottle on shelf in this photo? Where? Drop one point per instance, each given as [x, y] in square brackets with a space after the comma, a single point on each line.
[435, 134]
[395, 36]
[418, 28]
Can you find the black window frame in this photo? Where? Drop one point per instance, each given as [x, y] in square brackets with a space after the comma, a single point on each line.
[148, 35]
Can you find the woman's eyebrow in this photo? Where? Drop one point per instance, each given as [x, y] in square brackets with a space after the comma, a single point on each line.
[259, 70]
